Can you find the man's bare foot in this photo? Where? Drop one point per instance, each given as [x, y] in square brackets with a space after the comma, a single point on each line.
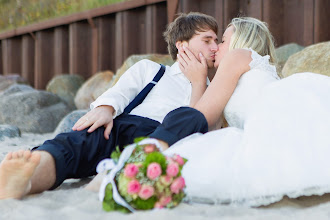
[16, 171]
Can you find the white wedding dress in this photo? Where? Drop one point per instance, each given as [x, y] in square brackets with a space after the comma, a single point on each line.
[278, 142]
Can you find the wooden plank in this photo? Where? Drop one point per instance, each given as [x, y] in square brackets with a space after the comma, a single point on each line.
[120, 29]
[231, 10]
[155, 26]
[61, 50]
[65, 20]
[44, 58]
[107, 39]
[187, 6]
[253, 8]
[12, 55]
[172, 8]
[80, 49]
[321, 21]
[28, 55]
[308, 25]
[274, 20]
[293, 22]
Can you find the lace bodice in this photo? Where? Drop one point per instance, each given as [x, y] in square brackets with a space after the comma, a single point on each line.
[248, 89]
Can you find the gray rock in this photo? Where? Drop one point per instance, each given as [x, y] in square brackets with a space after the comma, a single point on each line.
[285, 51]
[9, 131]
[92, 88]
[15, 88]
[32, 111]
[8, 80]
[314, 58]
[66, 87]
[68, 121]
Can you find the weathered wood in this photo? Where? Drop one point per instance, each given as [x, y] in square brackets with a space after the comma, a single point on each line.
[80, 51]
[12, 55]
[321, 21]
[61, 50]
[44, 58]
[28, 55]
[101, 39]
[172, 8]
[107, 38]
[155, 26]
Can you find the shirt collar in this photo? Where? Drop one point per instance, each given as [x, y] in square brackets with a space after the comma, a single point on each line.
[175, 69]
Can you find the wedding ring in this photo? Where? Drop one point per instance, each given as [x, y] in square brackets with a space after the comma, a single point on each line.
[86, 119]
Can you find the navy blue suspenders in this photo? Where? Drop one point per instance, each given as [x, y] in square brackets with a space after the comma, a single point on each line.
[143, 94]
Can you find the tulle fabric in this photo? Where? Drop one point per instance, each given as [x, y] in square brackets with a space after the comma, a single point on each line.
[282, 149]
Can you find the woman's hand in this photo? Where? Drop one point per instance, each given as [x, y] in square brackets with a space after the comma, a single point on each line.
[195, 71]
[191, 67]
[97, 117]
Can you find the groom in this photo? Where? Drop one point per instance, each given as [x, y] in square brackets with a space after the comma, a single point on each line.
[117, 117]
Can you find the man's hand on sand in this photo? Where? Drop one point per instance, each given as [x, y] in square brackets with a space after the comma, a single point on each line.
[97, 117]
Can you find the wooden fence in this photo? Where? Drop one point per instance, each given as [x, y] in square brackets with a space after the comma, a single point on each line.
[101, 39]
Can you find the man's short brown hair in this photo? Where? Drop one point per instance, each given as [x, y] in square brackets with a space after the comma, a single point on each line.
[184, 27]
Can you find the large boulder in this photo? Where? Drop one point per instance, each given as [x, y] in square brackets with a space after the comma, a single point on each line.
[9, 131]
[32, 111]
[130, 61]
[314, 58]
[14, 88]
[285, 51]
[68, 121]
[66, 87]
[92, 89]
[8, 80]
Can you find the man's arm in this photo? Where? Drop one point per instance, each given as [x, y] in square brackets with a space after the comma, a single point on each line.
[113, 102]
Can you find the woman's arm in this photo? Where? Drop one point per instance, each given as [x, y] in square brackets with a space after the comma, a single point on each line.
[216, 96]
[195, 71]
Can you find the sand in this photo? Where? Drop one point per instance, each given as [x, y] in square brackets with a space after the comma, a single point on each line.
[72, 201]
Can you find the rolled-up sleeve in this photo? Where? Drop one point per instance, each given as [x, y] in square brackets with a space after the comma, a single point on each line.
[128, 86]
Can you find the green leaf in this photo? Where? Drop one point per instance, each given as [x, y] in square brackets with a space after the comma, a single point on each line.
[116, 154]
[144, 204]
[156, 157]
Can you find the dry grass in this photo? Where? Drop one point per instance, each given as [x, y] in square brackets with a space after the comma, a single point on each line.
[17, 13]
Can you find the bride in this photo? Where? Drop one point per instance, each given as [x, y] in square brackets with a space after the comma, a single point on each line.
[277, 142]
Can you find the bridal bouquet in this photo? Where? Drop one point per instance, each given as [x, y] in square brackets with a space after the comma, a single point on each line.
[141, 178]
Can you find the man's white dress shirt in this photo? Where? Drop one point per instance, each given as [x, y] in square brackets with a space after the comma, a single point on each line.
[173, 90]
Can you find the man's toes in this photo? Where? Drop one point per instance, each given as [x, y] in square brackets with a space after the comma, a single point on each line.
[27, 154]
[35, 157]
[9, 156]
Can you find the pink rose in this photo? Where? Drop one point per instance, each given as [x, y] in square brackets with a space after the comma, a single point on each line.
[131, 170]
[177, 185]
[164, 200]
[179, 160]
[166, 180]
[133, 187]
[149, 148]
[153, 171]
[146, 192]
[172, 169]
[158, 205]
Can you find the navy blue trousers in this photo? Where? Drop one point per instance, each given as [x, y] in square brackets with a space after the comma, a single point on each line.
[77, 153]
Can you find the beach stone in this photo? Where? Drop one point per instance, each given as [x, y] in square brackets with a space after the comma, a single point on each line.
[314, 58]
[66, 87]
[9, 131]
[32, 111]
[68, 121]
[285, 51]
[92, 89]
[10, 79]
[15, 88]
[130, 61]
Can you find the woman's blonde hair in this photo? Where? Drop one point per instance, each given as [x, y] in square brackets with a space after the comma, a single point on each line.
[253, 33]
